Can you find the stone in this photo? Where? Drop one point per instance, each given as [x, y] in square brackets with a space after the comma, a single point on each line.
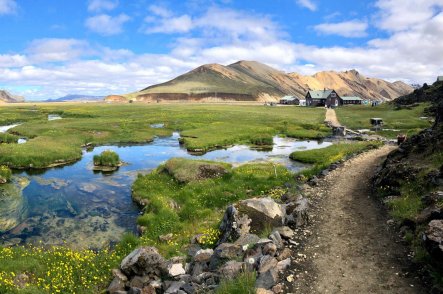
[266, 263]
[286, 232]
[115, 286]
[21, 280]
[297, 213]
[176, 269]
[277, 289]
[119, 274]
[270, 249]
[166, 238]
[193, 249]
[434, 241]
[229, 251]
[267, 280]
[276, 239]
[262, 212]
[174, 287]
[231, 269]
[247, 240]
[199, 268]
[203, 255]
[144, 261]
[284, 254]
[233, 225]
[283, 264]
[252, 256]
[139, 281]
[313, 181]
[134, 290]
[263, 291]
[428, 214]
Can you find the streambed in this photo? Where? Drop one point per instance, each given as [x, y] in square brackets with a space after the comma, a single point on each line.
[82, 208]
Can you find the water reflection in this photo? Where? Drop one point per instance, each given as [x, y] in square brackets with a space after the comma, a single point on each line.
[73, 204]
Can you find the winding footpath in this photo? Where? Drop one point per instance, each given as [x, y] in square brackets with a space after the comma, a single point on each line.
[331, 117]
[350, 248]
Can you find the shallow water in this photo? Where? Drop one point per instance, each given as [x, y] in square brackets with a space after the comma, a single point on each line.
[54, 117]
[83, 208]
[3, 129]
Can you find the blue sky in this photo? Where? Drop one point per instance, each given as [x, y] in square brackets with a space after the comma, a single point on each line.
[51, 48]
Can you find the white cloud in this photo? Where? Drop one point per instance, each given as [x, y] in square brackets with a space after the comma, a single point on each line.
[309, 4]
[56, 50]
[101, 5]
[15, 60]
[350, 29]
[107, 25]
[160, 11]
[8, 7]
[180, 24]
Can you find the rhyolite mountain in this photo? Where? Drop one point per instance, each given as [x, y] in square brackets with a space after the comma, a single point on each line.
[76, 98]
[6, 97]
[254, 81]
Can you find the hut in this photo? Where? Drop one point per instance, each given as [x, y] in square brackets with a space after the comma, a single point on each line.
[351, 100]
[289, 100]
[328, 98]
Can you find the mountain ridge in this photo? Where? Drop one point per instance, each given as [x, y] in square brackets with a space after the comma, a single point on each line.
[6, 97]
[255, 81]
[76, 98]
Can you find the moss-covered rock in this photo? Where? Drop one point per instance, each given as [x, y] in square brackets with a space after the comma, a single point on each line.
[187, 170]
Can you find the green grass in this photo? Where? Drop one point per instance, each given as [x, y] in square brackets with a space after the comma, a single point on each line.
[244, 283]
[5, 173]
[187, 209]
[186, 170]
[322, 158]
[406, 120]
[204, 127]
[107, 158]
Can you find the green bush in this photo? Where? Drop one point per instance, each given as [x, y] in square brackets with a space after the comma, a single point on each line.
[8, 138]
[107, 158]
[5, 174]
[242, 284]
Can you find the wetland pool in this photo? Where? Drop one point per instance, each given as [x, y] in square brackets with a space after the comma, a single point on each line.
[76, 206]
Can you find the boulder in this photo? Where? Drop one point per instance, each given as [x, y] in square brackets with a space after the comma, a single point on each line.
[231, 269]
[434, 241]
[428, 214]
[233, 225]
[285, 232]
[203, 255]
[175, 287]
[297, 213]
[276, 239]
[144, 261]
[176, 269]
[228, 251]
[270, 249]
[267, 280]
[263, 212]
[116, 286]
[283, 264]
[247, 240]
[267, 262]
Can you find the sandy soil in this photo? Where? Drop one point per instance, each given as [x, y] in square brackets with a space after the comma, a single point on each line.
[331, 117]
[350, 248]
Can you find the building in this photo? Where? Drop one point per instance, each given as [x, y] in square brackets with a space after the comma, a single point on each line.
[325, 97]
[289, 100]
[440, 79]
[302, 102]
[351, 100]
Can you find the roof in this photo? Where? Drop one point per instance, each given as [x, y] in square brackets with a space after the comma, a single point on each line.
[320, 94]
[351, 98]
[290, 98]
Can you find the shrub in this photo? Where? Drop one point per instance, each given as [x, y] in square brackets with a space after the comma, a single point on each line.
[5, 174]
[107, 158]
[243, 284]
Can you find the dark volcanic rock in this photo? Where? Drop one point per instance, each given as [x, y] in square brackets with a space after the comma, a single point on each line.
[144, 261]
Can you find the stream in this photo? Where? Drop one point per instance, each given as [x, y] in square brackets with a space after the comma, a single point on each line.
[76, 206]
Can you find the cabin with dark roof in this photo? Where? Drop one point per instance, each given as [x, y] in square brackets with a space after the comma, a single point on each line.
[351, 100]
[289, 100]
[325, 97]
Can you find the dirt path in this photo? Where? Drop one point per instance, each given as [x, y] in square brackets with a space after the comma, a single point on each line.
[350, 248]
[331, 117]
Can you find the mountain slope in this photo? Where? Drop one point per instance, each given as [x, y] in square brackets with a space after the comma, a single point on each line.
[76, 98]
[6, 97]
[254, 81]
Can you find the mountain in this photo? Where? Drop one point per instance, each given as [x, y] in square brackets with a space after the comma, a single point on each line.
[254, 81]
[6, 97]
[76, 98]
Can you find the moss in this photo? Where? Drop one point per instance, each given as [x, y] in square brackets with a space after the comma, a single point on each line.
[187, 170]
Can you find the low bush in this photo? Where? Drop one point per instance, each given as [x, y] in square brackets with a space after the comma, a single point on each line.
[107, 158]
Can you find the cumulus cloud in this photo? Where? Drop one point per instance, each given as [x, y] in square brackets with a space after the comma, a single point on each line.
[14, 60]
[101, 5]
[350, 29]
[56, 50]
[8, 7]
[107, 25]
[309, 4]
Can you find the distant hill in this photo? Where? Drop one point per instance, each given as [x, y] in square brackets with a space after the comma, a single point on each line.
[76, 98]
[254, 81]
[6, 97]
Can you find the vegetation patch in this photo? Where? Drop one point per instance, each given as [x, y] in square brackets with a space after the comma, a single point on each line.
[108, 160]
[8, 138]
[186, 209]
[187, 170]
[5, 174]
[322, 158]
[244, 283]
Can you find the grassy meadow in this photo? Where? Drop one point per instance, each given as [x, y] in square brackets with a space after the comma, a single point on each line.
[406, 120]
[203, 127]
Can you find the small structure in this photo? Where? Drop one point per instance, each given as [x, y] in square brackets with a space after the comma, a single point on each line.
[289, 100]
[351, 100]
[302, 102]
[376, 121]
[440, 79]
[324, 97]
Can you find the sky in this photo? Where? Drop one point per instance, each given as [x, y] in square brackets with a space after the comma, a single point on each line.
[51, 48]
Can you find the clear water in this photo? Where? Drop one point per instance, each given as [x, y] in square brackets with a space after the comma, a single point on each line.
[54, 117]
[83, 208]
[3, 129]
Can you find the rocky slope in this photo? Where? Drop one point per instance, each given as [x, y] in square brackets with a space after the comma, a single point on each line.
[6, 97]
[77, 98]
[254, 81]
[411, 184]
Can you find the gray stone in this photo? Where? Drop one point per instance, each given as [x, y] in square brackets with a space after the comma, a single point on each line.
[143, 261]
[284, 254]
[283, 264]
[203, 255]
[267, 280]
[297, 213]
[193, 249]
[134, 290]
[176, 269]
[285, 232]
[139, 281]
[233, 225]
[266, 263]
[231, 269]
[434, 241]
[247, 240]
[270, 249]
[175, 287]
[119, 274]
[228, 251]
[263, 212]
[199, 268]
[115, 286]
[276, 239]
